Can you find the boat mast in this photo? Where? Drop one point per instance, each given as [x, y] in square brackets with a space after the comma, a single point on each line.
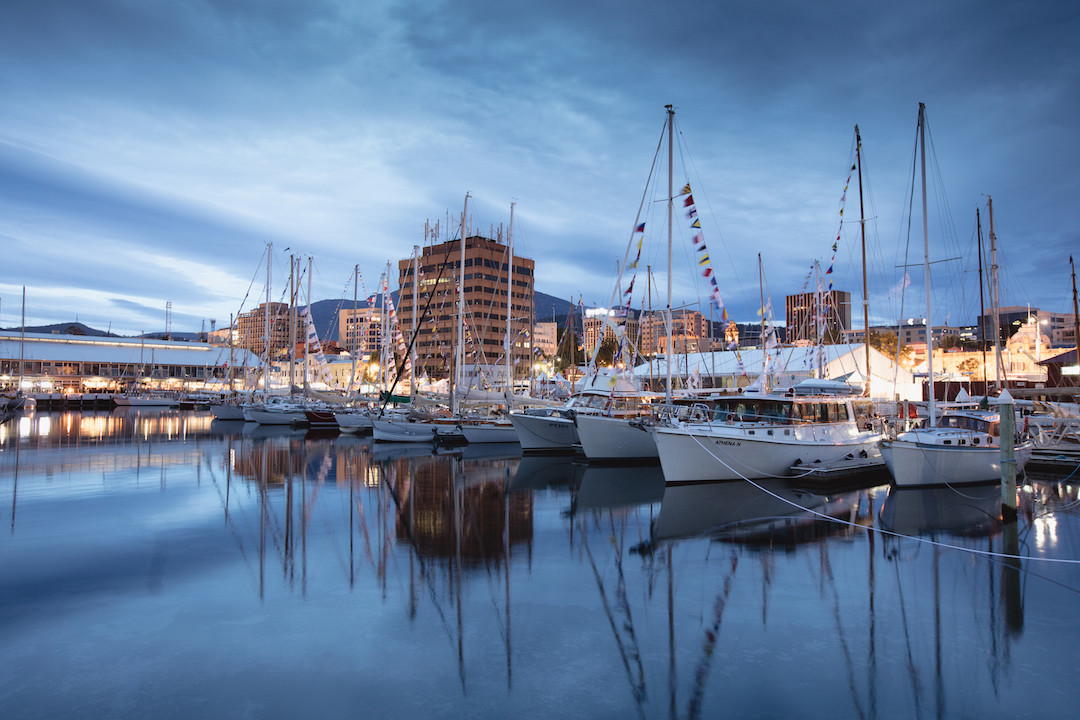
[982, 307]
[670, 232]
[293, 294]
[509, 297]
[353, 345]
[415, 311]
[764, 350]
[311, 322]
[459, 351]
[865, 294]
[926, 268]
[22, 338]
[1076, 316]
[266, 329]
[999, 366]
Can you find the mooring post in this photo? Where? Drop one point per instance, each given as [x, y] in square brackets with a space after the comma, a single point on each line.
[1008, 456]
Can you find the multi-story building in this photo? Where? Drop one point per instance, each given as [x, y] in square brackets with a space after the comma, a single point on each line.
[360, 330]
[802, 311]
[484, 283]
[1059, 328]
[545, 337]
[689, 332]
[594, 328]
[251, 329]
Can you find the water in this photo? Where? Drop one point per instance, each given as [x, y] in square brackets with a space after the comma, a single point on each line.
[154, 563]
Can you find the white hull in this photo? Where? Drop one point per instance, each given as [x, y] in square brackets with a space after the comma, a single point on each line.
[353, 421]
[914, 464]
[489, 433]
[605, 438]
[274, 417]
[227, 412]
[402, 431]
[544, 432]
[697, 453]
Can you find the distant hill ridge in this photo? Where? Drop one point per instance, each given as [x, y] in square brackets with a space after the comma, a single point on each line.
[324, 313]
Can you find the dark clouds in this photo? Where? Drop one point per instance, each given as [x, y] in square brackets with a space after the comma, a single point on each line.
[184, 136]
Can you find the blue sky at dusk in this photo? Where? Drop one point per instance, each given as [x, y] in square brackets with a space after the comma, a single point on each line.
[150, 150]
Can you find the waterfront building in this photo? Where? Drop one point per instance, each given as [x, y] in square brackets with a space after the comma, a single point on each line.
[689, 332]
[805, 311]
[80, 363]
[599, 325]
[360, 331]
[251, 329]
[484, 290]
[546, 338]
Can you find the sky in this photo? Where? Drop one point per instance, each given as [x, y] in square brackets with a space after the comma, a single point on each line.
[154, 151]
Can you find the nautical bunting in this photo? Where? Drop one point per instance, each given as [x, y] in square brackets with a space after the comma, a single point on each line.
[699, 245]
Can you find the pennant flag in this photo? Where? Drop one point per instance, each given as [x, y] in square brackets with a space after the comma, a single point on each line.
[704, 259]
[685, 190]
[695, 224]
[702, 247]
[688, 201]
[640, 228]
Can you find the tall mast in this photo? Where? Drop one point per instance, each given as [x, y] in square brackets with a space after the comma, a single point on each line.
[982, 307]
[307, 345]
[670, 232]
[509, 297]
[293, 295]
[22, 337]
[353, 347]
[459, 351]
[995, 305]
[926, 268]
[764, 350]
[865, 294]
[266, 330]
[1076, 316]
[415, 310]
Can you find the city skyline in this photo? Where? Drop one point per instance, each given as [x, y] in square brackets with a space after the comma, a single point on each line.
[148, 155]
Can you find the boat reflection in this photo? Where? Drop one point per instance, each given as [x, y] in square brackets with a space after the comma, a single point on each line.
[612, 487]
[764, 511]
[975, 512]
[536, 472]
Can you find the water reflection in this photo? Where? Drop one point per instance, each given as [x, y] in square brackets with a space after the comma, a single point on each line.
[477, 580]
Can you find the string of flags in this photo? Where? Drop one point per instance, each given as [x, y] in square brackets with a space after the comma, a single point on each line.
[699, 244]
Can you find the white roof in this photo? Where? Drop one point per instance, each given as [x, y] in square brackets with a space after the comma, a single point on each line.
[79, 348]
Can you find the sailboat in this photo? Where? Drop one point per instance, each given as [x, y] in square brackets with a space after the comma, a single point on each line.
[962, 446]
[615, 435]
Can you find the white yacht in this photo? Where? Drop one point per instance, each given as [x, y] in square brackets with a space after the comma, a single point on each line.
[962, 447]
[762, 435]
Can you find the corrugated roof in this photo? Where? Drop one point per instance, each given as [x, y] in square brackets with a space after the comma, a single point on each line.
[76, 348]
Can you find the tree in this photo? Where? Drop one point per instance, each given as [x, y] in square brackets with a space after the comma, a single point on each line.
[886, 343]
[606, 354]
[567, 353]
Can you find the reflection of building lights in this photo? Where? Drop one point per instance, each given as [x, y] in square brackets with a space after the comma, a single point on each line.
[44, 425]
[24, 427]
[1045, 531]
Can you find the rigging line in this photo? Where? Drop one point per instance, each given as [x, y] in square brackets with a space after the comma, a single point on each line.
[882, 531]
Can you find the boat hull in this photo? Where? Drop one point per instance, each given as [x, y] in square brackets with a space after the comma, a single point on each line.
[227, 411]
[608, 439]
[544, 432]
[402, 431]
[915, 464]
[704, 453]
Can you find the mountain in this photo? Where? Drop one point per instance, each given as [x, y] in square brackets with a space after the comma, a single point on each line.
[71, 328]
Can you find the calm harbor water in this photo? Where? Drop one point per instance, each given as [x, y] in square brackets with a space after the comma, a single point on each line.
[155, 563]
